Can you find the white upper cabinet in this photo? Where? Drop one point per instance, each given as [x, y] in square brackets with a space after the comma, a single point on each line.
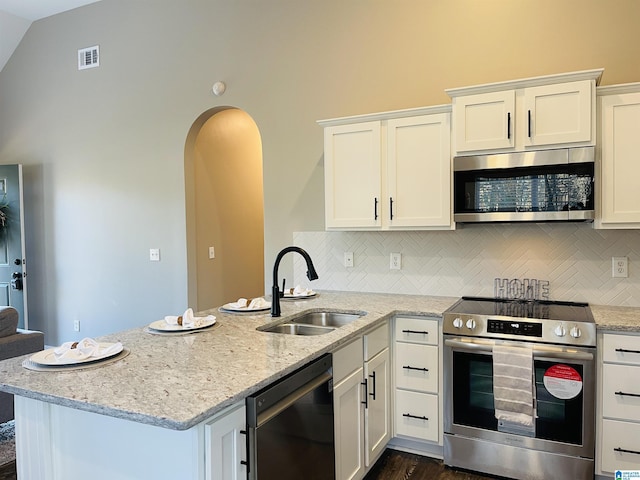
[418, 176]
[392, 171]
[484, 121]
[352, 167]
[617, 157]
[544, 112]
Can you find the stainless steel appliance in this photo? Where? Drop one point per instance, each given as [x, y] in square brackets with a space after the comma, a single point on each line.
[290, 426]
[539, 186]
[561, 338]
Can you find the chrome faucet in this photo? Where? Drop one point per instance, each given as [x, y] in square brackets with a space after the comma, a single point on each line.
[275, 291]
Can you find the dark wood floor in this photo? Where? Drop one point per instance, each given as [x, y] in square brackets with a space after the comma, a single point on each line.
[392, 465]
[8, 471]
[395, 465]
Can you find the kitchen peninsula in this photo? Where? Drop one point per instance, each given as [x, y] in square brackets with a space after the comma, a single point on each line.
[146, 416]
[153, 405]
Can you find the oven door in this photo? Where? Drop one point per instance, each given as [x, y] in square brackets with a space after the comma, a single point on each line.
[562, 425]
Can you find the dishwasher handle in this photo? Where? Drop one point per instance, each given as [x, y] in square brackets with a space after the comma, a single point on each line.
[292, 398]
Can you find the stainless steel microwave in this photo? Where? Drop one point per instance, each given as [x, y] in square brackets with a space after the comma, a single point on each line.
[540, 186]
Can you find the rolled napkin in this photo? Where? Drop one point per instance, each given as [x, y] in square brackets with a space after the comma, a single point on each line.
[513, 384]
[84, 349]
[299, 291]
[250, 304]
[188, 319]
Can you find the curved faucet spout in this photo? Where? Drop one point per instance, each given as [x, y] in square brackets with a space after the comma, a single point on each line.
[275, 290]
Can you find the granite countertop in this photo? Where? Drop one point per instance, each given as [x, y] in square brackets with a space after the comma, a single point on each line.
[616, 319]
[177, 382]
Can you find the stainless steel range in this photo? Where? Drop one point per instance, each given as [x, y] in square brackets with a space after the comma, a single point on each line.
[519, 386]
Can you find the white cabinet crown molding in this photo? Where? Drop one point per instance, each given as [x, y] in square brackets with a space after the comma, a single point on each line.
[370, 117]
[618, 89]
[595, 74]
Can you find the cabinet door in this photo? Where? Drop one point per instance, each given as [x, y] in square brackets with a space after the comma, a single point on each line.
[558, 114]
[377, 413]
[484, 121]
[620, 168]
[348, 426]
[352, 158]
[419, 172]
[226, 446]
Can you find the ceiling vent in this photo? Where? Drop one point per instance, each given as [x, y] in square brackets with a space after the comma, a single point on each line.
[89, 57]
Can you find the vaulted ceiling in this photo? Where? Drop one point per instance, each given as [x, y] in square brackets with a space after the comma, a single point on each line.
[17, 15]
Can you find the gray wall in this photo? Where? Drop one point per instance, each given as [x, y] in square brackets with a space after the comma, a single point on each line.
[103, 148]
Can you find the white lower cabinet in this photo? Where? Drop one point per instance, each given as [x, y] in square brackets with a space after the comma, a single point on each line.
[618, 422]
[361, 399]
[226, 445]
[417, 380]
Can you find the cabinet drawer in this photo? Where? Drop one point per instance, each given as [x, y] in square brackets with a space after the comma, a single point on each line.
[376, 341]
[620, 435]
[621, 349]
[416, 367]
[346, 360]
[620, 378]
[417, 330]
[417, 415]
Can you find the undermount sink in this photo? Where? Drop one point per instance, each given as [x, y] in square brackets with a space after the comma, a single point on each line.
[297, 329]
[313, 323]
[326, 319]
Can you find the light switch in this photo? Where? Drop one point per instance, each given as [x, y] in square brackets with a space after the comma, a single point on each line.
[212, 252]
[348, 259]
[154, 254]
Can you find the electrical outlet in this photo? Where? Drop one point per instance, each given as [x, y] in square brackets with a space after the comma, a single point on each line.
[395, 261]
[154, 254]
[619, 267]
[76, 325]
[348, 259]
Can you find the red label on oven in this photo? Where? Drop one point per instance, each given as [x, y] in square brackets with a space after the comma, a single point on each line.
[563, 381]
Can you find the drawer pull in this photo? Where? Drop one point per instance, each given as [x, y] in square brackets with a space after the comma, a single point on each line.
[418, 332]
[622, 450]
[628, 394]
[409, 367]
[624, 350]
[408, 415]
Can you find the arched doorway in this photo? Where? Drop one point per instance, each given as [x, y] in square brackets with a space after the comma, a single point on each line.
[225, 208]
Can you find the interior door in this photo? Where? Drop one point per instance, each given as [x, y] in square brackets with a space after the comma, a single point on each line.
[13, 280]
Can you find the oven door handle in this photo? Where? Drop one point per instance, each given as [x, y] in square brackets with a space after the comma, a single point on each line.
[538, 350]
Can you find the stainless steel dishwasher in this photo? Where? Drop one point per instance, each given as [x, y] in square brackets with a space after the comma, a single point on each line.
[290, 426]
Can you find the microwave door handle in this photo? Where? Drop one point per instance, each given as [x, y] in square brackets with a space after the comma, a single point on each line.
[538, 350]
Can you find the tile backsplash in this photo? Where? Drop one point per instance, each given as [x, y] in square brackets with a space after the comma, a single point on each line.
[573, 257]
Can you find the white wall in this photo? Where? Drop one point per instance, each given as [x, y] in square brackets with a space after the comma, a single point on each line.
[103, 149]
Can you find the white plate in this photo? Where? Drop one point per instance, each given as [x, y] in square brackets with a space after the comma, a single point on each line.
[163, 326]
[48, 357]
[307, 294]
[231, 307]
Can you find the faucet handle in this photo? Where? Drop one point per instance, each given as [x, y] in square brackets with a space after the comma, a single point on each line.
[284, 281]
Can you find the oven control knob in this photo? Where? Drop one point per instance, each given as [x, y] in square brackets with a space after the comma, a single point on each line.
[560, 331]
[575, 332]
[471, 324]
[458, 323]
